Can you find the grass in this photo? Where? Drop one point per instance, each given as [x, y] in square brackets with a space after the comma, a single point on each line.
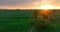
[55, 26]
[14, 25]
[15, 21]
[20, 21]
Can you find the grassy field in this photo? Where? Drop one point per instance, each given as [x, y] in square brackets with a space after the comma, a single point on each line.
[55, 23]
[20, 21]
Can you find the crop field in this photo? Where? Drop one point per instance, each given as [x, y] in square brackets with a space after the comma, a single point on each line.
[21, 21]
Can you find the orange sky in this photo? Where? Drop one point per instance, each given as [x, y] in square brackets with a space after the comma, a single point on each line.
[27, 4]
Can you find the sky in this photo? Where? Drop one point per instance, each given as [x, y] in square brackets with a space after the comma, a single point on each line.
[26, 4]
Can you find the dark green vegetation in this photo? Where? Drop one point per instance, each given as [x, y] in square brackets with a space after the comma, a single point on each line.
[55, 23]
[21, 20]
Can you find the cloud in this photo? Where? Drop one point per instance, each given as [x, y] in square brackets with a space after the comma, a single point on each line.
[13, 2]
[25, 3]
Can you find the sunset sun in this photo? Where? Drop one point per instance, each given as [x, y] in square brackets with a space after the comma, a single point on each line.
[46, 6]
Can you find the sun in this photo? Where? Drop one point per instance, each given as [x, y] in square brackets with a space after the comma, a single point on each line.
[46, 6]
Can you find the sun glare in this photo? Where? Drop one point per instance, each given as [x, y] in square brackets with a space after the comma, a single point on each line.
[46, 6]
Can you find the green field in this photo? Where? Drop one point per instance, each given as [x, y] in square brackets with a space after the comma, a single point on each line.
[20, 21]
